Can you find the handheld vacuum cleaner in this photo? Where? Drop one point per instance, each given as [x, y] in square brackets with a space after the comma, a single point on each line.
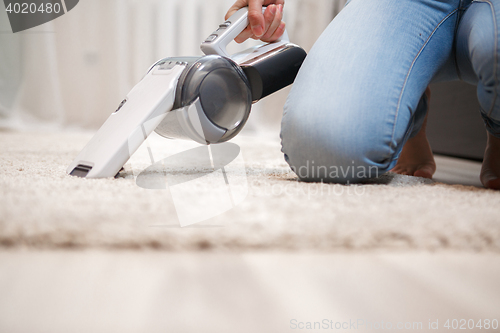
[206, 99]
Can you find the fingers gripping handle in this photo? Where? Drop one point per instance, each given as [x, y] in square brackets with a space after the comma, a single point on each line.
[217, 42]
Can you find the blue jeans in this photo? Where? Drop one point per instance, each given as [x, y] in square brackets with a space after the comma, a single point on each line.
[360, 93]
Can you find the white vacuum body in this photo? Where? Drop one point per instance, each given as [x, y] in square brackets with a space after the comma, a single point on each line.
[206, 99]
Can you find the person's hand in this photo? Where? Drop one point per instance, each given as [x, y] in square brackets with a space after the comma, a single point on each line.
[267, 27]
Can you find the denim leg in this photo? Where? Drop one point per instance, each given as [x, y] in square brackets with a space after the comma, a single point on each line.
[353, 104]
[478, 42]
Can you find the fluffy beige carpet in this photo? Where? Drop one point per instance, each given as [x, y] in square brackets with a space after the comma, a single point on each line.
[42, 207]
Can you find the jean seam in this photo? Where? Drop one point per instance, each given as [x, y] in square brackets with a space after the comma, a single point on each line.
[495, 62]
[409, 72]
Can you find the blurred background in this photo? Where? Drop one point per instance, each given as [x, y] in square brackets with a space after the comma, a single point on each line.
[74, 71]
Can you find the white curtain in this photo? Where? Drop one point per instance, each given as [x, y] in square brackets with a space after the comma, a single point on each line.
[75, 70]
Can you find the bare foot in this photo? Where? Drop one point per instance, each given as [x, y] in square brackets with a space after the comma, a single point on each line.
[490, 171]
[416, 158]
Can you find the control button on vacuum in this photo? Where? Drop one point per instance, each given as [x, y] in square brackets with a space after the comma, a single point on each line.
[211, 38]
[167, 65]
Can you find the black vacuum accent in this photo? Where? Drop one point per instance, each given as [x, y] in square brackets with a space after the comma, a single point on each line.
[81, 171]
[272, 73]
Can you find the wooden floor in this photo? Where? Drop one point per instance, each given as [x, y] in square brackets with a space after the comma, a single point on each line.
[103, 291]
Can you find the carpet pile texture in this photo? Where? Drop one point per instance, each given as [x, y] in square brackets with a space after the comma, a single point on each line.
[42, 207]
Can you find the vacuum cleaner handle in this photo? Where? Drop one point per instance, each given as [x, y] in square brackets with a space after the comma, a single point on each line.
[217, 42]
